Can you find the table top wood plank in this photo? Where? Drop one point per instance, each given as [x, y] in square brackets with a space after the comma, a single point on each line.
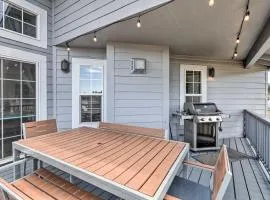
[123, 144]
[52, 140]
[54, 135]
[151, 185]
[120, 169]
[119, 154]
[60, 146]
[134, 164]
[107, 145]
[75, 142]
[139, 179]
[83, 145]
[126, 176]
[112, 165]
[98, 151]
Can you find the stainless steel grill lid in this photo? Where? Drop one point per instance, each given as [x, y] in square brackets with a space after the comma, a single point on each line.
[201, 109]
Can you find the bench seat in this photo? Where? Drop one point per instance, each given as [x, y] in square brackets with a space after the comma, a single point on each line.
[43, 184]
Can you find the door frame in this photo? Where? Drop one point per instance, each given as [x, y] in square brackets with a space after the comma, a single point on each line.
[76, 62]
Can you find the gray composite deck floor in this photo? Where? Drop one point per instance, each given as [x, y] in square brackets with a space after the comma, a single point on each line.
[248, 180]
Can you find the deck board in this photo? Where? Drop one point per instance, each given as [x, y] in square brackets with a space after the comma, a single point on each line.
[256, 184]
[240, 185]
[252, 185]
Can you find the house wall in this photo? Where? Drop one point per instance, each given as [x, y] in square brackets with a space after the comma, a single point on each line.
[138, 99]
[47, 5]
[63, 86]
[233, 89]
[135, 98]
[73, 18]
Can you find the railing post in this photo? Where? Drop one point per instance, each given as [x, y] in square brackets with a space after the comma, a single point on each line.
[244, 123]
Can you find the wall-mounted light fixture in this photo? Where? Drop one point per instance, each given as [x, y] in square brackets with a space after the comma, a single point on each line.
[138, 66]
[211, 72]
[65, 66]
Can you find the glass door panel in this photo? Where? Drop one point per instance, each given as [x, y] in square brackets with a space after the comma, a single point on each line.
[17, 101]
[91, 92]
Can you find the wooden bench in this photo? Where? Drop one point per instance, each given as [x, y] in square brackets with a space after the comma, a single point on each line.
[38, 128]
[185, 189]
[41, 185]
[151, 132]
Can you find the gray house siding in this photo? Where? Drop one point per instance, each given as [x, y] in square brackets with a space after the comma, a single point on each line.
[63, 87]
[73, 18]
[138, 99]
[47, 5]
[233, 89]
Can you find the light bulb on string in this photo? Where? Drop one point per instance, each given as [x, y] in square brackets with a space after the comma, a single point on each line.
[211, 3]
[247, 15]
[68, 47]
[95, 38]
[139, 25]
[235, 54]
[237, 40]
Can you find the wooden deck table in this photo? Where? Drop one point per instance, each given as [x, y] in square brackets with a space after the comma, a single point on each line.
[127, 165]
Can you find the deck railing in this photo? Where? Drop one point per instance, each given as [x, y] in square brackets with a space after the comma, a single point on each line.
[257, 130]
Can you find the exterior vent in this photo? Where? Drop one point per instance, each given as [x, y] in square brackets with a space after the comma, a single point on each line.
[138, 66]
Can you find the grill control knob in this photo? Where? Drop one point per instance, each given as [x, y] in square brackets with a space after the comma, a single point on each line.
[210, 119]
[202, 119]
[217, 119]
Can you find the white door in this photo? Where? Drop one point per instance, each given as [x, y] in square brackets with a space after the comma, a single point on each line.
[87, 92]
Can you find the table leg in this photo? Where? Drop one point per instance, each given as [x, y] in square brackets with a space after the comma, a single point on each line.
[17, 168]
[41, 164]
[185, 167]
[71, 178]
[35, 164]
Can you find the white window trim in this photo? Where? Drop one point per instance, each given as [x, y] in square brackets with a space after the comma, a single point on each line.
[76, 62]
[41, 40]
[183, 69]
[41, 75]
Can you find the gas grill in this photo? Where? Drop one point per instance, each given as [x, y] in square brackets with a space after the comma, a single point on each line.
[202, 124]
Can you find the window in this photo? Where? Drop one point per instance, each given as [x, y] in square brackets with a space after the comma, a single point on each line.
[17, 19]
[192, 84]
[23, 94]
[21, 21]
[17, 100]
[91, 90]
[193, 91]
[87, 98]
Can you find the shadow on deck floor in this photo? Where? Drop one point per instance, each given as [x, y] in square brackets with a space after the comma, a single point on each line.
[248, 180]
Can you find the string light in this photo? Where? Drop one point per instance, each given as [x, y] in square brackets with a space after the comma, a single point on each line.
[68, 47]
[247, 15]
[237, 40]
[139, 25]
[211, 3]
[95, 38]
